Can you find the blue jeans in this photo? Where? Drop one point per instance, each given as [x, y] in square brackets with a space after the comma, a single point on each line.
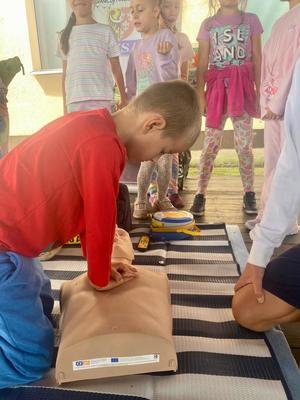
[26, 333]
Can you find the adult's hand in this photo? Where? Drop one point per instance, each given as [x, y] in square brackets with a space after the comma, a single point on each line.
[254, 275]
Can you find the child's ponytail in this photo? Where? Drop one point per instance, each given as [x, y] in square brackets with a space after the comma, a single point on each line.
[65, 34]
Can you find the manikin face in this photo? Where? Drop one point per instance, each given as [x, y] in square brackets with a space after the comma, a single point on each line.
[170, 10]
[82, 8]
[144, 14]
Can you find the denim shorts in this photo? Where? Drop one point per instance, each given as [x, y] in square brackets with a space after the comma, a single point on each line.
[282, 277]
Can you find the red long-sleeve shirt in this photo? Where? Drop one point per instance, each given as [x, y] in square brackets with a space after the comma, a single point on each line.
[62, 181]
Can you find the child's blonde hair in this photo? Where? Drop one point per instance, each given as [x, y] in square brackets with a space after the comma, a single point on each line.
[177, 102]
[214, 6]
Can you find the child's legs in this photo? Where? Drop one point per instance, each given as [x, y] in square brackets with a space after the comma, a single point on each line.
[153, 183]
[90, 105]
[243, 141]
[143, 180]
[173, 185]
[26, 333]
[273, 142]
[211, 146]
[164, 165]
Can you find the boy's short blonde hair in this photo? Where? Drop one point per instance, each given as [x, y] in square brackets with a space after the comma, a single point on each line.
[177, 102]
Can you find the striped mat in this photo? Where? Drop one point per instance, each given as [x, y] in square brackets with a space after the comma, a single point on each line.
[218, 359]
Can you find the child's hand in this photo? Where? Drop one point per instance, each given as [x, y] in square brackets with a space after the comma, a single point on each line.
[120, 273]
[203, 105]
[270, 115]
[257, 104]
[123, 103]
[164, 47]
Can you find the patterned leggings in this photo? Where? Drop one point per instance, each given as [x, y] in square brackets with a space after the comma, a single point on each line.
[243, 139]
[163, 164]
[173, 185]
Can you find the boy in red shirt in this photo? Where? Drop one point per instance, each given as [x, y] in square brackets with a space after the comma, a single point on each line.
[50, 191]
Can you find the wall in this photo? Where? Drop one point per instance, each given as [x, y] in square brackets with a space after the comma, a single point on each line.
[33, 100]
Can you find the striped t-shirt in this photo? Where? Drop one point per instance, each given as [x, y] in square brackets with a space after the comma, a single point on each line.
[88, 74]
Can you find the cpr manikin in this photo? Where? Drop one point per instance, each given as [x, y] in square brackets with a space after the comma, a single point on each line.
[124, 330]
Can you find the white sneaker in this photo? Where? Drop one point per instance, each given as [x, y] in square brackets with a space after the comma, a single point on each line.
[140, 210]
[294, 230]
[164, 205]
[250, 224]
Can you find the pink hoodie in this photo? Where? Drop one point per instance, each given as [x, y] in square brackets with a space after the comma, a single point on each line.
[279, 57]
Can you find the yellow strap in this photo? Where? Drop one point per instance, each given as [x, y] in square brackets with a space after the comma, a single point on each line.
[194, 231]
[163, 228]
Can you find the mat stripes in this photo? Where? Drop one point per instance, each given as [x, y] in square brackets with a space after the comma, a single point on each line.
[217, 358]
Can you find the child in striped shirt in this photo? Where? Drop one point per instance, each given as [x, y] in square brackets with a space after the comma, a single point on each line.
[87, 48]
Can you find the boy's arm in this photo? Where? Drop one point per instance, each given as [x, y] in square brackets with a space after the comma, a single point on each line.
[98, 176]
[131, 77]
[118, 76]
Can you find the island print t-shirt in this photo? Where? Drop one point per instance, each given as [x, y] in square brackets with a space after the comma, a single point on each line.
[230, 38]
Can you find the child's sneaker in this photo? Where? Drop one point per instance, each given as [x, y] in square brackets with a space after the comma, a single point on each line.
[198, 206]
[176, 200]
[250, 203]
[140, 210]
[250, 224]
[49, 252]
[163, 205]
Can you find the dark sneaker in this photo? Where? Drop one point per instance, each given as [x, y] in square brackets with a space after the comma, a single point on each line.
[176, 200]
[250, 203]
[198, 206]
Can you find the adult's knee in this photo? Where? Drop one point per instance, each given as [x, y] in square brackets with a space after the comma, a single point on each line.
[244, 309]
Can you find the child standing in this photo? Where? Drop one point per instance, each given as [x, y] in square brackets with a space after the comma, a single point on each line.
[169, 13]
[4, 120]
[49, 192]
[279, 57]
[87, 48]
[155, 58]
[230, 45]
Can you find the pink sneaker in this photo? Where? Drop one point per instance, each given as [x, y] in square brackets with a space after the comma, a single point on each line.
[176, 200]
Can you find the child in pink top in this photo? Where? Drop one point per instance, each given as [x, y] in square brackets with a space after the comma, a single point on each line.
[279, 57]
[230, 46]
[155, 58]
